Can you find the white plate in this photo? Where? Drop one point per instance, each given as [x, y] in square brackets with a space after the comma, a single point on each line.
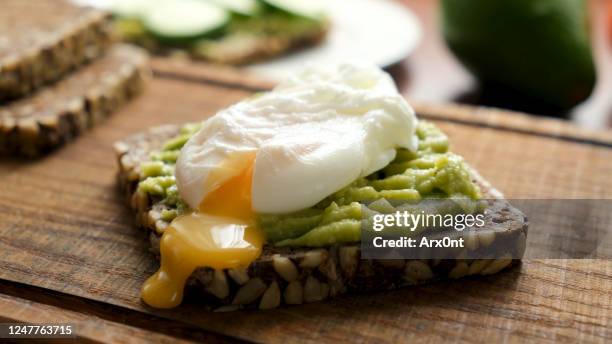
[383, 32]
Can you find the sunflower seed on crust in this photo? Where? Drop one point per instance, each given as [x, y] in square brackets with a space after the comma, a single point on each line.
[285, 268]
[271, 298]
[218, 285]
[239, 276]
[497, 265]
[294, 293]
[250, 292]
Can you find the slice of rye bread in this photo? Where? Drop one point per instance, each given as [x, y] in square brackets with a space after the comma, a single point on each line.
[43, 40]
[297, 275]
[55, 114]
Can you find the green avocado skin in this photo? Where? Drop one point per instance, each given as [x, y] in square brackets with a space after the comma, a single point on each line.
[536, 48]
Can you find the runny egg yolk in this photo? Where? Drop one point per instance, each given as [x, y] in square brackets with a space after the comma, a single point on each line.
[221, 234]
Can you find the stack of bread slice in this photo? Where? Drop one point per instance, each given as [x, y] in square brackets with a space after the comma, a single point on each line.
[60, 73]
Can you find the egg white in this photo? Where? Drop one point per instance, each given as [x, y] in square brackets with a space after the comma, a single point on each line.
[312, 135]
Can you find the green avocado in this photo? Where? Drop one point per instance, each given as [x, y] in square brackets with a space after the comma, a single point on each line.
[539, 49]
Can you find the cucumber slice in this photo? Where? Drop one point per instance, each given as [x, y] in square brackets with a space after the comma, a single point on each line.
[243, 7]
[131, 9]
[177, 21]
[313, 9]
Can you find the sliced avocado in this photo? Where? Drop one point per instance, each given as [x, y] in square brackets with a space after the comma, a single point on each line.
[184, 21]
[539, 49]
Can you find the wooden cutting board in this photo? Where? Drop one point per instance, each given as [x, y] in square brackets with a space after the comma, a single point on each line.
[69, 252]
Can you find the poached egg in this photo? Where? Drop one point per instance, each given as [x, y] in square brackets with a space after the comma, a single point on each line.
[282, 151]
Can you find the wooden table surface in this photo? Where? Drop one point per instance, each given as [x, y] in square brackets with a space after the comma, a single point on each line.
[69, 252]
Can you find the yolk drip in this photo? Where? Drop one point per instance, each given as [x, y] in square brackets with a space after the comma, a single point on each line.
[221, 235]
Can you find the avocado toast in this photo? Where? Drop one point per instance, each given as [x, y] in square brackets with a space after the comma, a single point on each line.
[221, 31]
[295, 275]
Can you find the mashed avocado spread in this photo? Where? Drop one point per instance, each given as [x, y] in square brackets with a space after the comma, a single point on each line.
[430, 172]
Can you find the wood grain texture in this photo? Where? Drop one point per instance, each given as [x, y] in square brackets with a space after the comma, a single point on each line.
[94, 321]
[65, 228]
[92, 329]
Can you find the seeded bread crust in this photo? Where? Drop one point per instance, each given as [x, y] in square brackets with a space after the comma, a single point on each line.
[300, 275]
[43, 40]
[55, 114]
